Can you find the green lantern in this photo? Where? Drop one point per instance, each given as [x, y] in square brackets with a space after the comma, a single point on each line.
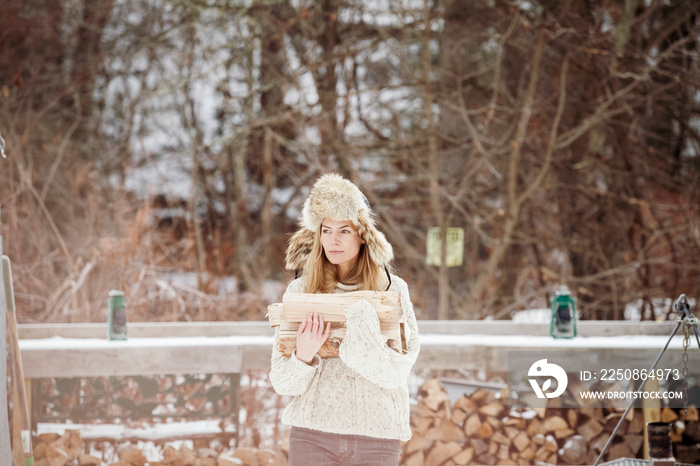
[563, 307]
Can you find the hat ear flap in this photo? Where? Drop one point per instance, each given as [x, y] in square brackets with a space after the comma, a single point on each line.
[380, 250]
[299, 248]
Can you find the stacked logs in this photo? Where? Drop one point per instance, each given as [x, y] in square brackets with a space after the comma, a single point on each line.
[68, 450]
[480, 429]
[295, 308]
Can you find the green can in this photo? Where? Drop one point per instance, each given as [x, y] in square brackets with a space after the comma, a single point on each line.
[563, 323]
[117, 316]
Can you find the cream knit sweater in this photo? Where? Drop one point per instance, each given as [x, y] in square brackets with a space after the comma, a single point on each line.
[365, 391]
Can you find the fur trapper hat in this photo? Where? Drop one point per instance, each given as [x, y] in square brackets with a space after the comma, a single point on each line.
[334, 197]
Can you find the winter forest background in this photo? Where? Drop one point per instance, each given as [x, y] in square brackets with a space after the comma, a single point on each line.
[166, 147]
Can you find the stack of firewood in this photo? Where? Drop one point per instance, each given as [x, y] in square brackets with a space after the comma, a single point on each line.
[55, 450]
[295, 308]
[480, 429]
[68, 450]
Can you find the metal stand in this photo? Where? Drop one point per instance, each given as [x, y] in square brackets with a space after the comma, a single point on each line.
[686, 318]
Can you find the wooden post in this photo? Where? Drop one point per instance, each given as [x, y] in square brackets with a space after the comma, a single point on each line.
[5, 451]
[17, 453]
[22, 445]
[652, 411]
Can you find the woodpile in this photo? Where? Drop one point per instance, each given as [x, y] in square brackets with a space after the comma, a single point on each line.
[68, 450]
[480, 429]
[477, 429]
[295, 308]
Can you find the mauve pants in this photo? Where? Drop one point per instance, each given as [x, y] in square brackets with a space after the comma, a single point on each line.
[309, 447]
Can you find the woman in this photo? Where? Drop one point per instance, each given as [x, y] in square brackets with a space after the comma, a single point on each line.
[351, 410]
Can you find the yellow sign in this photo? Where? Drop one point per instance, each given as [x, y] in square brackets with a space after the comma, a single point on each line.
[454, 253]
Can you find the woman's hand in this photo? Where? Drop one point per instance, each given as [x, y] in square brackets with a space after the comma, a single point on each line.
[311, 336]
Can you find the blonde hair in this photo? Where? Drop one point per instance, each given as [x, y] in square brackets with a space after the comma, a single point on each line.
[322, 275]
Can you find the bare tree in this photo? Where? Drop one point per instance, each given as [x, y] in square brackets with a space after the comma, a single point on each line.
[562, 137]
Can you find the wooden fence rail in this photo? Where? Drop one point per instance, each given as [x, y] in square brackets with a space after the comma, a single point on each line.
[76, 350]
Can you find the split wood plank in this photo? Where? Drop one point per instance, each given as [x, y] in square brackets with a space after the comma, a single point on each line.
[298, 306]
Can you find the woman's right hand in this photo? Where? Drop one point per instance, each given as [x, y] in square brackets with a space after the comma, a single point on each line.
[311, 336]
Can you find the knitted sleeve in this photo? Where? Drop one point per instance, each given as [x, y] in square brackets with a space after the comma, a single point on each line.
[289, 375]
[364, 349]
